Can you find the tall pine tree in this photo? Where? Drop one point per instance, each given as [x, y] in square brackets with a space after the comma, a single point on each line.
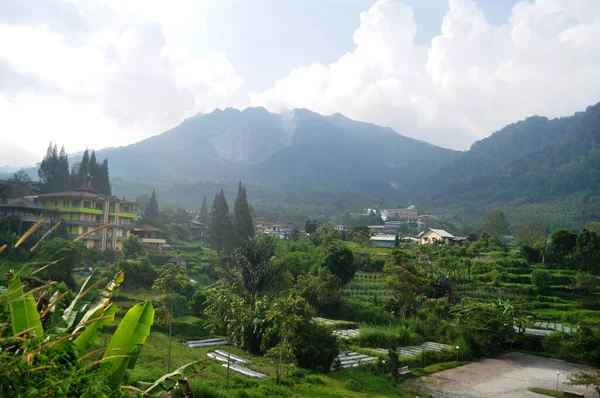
[103, 181]
[242, 219]
[54, 170]
[204, 217]
[152, 208]
[219, 227]
[62, 171]
[83, 169]
[46, 170]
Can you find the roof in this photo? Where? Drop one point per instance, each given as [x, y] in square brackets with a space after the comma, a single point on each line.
[440, 232]
[148, 228]
[196, 223]
[22, 202]
[384, 238]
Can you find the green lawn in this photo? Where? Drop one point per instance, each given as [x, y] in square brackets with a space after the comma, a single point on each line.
[152, 364]
[545, 391]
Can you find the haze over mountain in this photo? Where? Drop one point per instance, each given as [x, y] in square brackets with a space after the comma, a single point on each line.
[257, 145]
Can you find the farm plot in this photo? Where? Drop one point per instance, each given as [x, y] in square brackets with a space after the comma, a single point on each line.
[367, 286]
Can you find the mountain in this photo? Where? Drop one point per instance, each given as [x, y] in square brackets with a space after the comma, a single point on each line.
[299, 146]
[531, 163]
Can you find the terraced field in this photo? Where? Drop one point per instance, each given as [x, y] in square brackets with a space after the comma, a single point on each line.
[367, 286]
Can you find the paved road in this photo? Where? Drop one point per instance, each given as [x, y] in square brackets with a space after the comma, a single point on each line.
[505, 376]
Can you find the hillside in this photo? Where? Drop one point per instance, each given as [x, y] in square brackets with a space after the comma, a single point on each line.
[537, 162]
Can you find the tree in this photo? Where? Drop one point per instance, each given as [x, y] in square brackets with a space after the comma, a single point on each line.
[219, 227]
[64, 256]
[562, 243]
[587, 251]
[530, 234]
[252, 271]
[131, 247]
[152, 209]
[310, 227]
[541, 279]
[340, 261]
[21, 176]
[397, 241]
[84, 168]
[242, 219]
[585, 379]
[61, 177]
[101, 180]
[321, 289]
[54, 170]
[204, 216]
[171, 279]
[495, 223]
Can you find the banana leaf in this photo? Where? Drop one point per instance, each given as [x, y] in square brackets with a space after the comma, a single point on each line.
[74, 311]
[90, 334]
[127, 340]
[102, 300]
[23, 311]
[166, 382]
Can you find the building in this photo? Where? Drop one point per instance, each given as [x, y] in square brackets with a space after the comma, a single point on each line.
[383, 240]
[281, 230]
[84, 209]
[196, 228]
[376, 228]
[431, 236]
[23, 214]
[341, 228]
[400, 214]
[151, 236]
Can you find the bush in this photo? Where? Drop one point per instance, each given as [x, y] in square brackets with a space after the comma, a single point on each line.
[541, 279]
[355, 385]
[315, 348]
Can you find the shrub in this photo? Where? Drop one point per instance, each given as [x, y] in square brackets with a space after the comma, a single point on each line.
[315, 348]
[314, 379]
[541, 279]
[355, 385]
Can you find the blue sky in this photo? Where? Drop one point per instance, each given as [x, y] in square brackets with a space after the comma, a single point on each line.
[265, 39]
[103, 73]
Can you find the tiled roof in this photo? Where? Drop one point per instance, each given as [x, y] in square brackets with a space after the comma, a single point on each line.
[147, 228]
[22, 203]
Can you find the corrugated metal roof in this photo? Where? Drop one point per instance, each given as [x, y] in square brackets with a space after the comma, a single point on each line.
[440, 232]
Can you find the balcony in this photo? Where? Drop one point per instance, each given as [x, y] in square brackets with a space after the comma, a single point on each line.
[94, 236]
[155, 241]
[86, 223]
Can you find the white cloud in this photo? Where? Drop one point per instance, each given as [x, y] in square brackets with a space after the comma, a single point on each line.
[97, 74]
[473, 78]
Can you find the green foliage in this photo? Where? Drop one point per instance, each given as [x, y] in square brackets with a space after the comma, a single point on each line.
[63, 255]
[541, 279]
[530, 234]
[204, 217]
[585, 379]
[495, 223]
[131, 247]
[587, 251]
[315, 348]
[562, 243]
[320, 288]
[152, 212]
[198, 303]
[140, 272]
[220, 230]
[546, 391]
[172, 279]
[340, 261]
[242, 219]
[310, 226]
[54, 170]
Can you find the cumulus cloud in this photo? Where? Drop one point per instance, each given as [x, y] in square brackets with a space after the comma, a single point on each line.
[102, 73]
[473, 78]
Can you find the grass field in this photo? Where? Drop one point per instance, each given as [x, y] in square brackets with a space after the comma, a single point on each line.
[296, 382]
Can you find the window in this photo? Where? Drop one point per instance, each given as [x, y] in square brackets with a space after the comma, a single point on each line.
[86, 217]
[87, 204]
[125, 209]
[76, 203]
[98, 218]
[85, 229]
[99, 206]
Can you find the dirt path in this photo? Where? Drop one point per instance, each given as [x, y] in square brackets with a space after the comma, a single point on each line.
[508, 375]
